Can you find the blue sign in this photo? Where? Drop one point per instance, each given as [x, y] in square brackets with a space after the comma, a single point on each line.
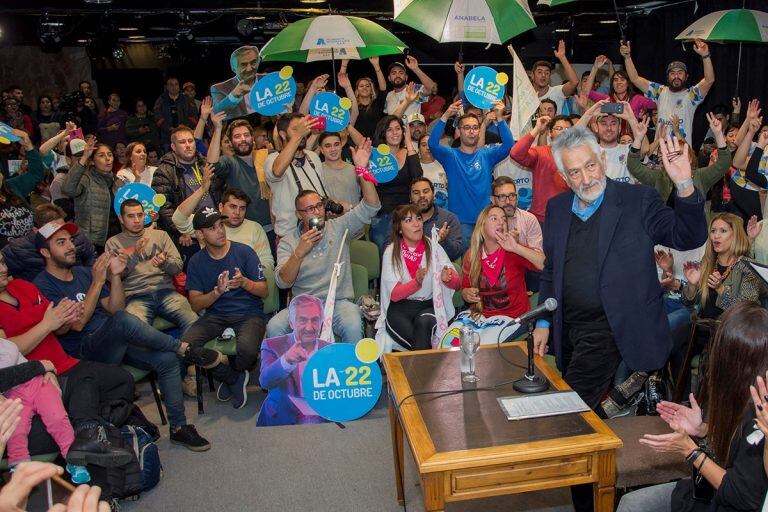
[334, 109]
[383, 164]
[6, 134]
[338, 384]
[274, 93]
[484, 86]
[150, 201]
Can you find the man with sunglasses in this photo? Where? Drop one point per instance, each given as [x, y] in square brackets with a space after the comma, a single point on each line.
[469, 167]
[307, 253]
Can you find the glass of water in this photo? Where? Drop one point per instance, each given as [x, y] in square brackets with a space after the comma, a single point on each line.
[470, 344]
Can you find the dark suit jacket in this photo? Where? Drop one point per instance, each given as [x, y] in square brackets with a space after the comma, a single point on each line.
[633, 220]
[277, 408]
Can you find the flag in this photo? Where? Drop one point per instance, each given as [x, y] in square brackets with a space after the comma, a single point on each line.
[326, 332]
[525, 101]
[438, 297]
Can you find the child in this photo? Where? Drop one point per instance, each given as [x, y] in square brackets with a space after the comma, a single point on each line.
[40, 395]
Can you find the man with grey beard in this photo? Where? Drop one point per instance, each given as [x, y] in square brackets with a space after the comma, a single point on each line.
[598, 240]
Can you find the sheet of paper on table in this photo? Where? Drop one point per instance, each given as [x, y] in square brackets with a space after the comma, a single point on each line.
[541, 405]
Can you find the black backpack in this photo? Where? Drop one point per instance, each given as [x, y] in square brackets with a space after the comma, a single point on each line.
[122, 482]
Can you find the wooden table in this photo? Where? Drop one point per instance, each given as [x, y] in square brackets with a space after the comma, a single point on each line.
[465, 448]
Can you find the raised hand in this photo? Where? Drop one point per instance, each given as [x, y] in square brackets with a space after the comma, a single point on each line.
[411, 62]
[692, 272]
[374, 62]
[90, 146]
[560, 51]
[754, 226]
[755, 124]
[118, 262]
[445, 229]
[714, 123]
[753, 109]
[361, 155]
[208, 173]
[308, 124]
[452, 110]
[319, 82]
[625, 49]
[206, 107]
[458, 67]
[411, 92]
[736, 103]
[665, 260]
[701, 47]
[222, 282]
[218, 119]
[675, 158]
[542, 123]
[641, 128]
[600, 61]
[343, 80]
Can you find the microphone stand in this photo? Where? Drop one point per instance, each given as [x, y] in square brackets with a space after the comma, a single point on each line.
[530, 382]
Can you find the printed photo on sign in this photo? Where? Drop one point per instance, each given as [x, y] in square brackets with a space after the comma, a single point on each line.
[274, 93]
[149, 199]
[484, 86]
[334, 109]
[284, 360]
[383, 164]
[232, 96]
[342, 382]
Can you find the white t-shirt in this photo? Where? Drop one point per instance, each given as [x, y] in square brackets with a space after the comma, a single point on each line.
[127, 175]
[285, 188]
[435, 173]
[394, 98]
[522, 177]
[682, 103]
[616, 163]
[555, 94]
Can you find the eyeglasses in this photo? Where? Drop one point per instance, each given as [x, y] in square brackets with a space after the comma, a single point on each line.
[559, 128]
[470, 128]
[319, 207]
[505, 197]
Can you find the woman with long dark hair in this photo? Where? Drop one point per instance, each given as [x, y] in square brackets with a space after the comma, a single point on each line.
[727, 461]
[391, 132]
[136, 170]
[407, 295]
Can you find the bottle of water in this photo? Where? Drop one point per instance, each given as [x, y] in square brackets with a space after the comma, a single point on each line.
[465, 331]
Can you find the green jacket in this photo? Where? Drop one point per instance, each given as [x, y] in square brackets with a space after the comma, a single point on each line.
[742, 284]
[703, 177]
[91, 191]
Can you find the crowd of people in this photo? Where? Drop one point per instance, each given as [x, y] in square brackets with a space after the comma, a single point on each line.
[646, 242]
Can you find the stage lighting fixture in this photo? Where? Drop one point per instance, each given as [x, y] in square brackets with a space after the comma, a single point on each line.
[118, 53]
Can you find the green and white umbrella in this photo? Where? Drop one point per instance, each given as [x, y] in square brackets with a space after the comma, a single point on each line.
[331, 37]
[554, 3]
[466, 21]
[733, 26]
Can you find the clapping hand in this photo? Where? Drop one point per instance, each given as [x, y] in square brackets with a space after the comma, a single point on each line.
[411, 92]
[445, 229]
[692, 272]
[664, 260]
[159, 259]
[66, 311]
[753, 227]
[689, 418]
[715, 280]
[237, 280]
[760, 399]
[99, 268]
[446, 274]
[117, 262]
[222, 283]
[138, 249]
[667, 281]
[421, 273]
[9, 419]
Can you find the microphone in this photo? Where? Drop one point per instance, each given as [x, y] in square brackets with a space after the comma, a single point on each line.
[549, 305]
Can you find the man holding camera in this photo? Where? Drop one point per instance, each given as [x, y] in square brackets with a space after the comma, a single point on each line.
[306, 254]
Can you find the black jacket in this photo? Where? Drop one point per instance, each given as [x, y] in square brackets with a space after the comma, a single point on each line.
[25, 261]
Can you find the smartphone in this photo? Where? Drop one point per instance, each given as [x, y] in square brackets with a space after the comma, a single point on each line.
[612, 108]
[321, 124]
[58, 490]
[76, 134]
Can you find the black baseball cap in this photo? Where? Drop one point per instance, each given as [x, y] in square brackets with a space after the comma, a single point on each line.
[206, 218]
[394, 65]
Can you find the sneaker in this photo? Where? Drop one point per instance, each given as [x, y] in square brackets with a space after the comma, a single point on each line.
[79, 474]
[189, 386]
[91, 446]
[237, 389]
[223, 393]
[187, 436]
[202, 357]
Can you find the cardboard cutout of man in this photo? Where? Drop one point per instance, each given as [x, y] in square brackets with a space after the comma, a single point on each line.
[283, 360]
[232, 96]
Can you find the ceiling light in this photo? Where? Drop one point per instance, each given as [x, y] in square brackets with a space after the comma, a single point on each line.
[98, 2]
[136, 37]
[128, 29]
[83, 41]
[561, 30]
[256, 18]
[585, 34]
[608, 22]
[118, 53]
[312, 1]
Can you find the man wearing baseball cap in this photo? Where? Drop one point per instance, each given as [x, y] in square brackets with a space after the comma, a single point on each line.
[417, 126]
[674, 98]
[105, 332]
[397, 74]
[226, 280]
[189, 91]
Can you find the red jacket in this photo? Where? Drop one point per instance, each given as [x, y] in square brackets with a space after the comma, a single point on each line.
[547, 181]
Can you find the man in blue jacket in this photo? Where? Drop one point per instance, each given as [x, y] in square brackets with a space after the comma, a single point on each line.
[598, 241]
[469, 168]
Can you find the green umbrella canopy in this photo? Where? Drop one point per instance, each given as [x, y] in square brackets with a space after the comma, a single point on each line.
[331, 37]
[554, 3]
[733, 26]
[473, 21]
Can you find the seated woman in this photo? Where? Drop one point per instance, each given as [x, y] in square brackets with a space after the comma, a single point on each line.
[493, 281]
[408, 301]
[722, 279]
[727, 462]
[30, 321]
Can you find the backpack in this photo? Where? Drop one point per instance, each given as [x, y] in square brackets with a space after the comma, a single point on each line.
[147, 455]
[121, 482]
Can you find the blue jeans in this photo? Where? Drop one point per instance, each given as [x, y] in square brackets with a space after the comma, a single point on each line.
[169, 304]
[466, 233]
[678, 314]
[381, 225]
[127, 339]
[347, 323]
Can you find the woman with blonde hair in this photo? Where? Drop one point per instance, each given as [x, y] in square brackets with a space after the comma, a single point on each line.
[494, 267]
[407, 296]
[722, 279]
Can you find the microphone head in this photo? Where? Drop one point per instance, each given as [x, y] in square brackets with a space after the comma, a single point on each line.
[550, 304]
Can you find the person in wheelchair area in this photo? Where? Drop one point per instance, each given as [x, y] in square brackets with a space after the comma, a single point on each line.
[722, 279]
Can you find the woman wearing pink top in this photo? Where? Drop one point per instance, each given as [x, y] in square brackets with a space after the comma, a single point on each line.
[621, 90]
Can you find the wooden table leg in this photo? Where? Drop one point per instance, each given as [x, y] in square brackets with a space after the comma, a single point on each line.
[434, 492]
[605, 488]
[396, 431]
